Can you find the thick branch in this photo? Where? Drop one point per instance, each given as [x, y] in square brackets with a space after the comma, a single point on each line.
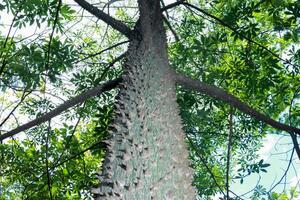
[68, 104]
[114, 23]
[218, 93]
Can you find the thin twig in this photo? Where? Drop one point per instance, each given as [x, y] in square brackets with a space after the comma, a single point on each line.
[52, 34]
[238, 33]
[172, 5]
[100, 143]
[117, 59]
[204, 163]
[100, 52]
[24, 95]
[230, 134]
[47, 159]
[68, 141]
[6, 40]
[171, 29]
[285, 173]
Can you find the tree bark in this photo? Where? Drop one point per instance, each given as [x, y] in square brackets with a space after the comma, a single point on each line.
[66, 105]
[147, 156]
[220, 94]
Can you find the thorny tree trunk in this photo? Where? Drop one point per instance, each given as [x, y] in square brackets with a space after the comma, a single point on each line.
[147, 156]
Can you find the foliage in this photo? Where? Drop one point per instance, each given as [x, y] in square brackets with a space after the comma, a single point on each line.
[66, 62]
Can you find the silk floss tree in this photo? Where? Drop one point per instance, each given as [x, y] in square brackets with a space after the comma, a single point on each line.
[147, 156]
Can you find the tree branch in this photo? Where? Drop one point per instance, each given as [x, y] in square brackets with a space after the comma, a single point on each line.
[171, 29]
[285, 172]
[67, 144]
[52, 34]
[238, 33]
[117, 59]
[114, 23]
[47, 159]
[172, 5]
[218, 93]
[296, 144]
[7, 38]
[193, 146]
[100, 144]
[68, 104]
[229, 146]
[24, 95]
[100, 52]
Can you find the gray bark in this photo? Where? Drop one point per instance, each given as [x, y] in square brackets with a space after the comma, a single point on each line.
[147, 156]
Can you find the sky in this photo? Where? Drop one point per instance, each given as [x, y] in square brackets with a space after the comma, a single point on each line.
[275, 150]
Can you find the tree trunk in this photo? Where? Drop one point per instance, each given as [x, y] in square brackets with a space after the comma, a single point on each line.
[147, 156]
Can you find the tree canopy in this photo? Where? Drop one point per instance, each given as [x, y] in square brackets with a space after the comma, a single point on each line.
[237, 73]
